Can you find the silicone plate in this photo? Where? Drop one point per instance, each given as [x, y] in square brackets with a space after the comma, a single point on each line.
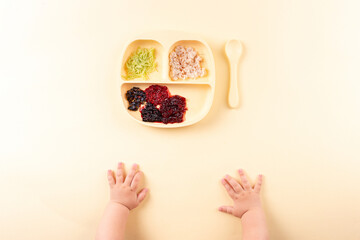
[199, 93]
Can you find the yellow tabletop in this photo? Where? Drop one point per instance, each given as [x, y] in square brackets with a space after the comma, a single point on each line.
[62, 123]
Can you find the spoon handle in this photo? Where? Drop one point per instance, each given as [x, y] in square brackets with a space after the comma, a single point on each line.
[233, 98]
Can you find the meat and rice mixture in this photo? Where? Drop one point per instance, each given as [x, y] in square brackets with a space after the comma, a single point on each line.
[185, 63]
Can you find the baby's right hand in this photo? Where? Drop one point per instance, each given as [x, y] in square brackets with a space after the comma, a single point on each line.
[246, 198]
[123, 189]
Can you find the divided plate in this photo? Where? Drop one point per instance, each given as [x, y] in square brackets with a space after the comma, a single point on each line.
[199, 92]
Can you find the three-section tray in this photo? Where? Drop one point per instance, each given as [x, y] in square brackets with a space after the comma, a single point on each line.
[199, 92]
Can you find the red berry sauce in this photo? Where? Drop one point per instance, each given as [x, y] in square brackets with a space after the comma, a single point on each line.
[156, 94]
[173, 109]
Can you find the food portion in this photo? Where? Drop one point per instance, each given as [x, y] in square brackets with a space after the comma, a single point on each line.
[135, 97]
[173, 109]
[150, 113]
[157, 105]
[156, 94]
[185, 63]
[140, 64]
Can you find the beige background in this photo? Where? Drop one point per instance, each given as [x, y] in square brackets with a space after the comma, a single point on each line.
[62, 124]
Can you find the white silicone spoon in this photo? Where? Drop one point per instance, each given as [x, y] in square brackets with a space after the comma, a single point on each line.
[233, 50]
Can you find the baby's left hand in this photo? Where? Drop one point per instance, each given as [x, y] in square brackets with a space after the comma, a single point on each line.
[123, 190]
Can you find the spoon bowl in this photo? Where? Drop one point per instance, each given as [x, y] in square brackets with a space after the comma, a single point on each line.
[233, 49]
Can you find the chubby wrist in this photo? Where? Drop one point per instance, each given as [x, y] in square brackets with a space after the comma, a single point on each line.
[254, 224]
[119, 206]
[257, 212]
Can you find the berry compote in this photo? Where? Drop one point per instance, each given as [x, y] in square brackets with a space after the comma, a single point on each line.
[136, 97]
[160, 105]
[156, 94]
[150, 113]
[173, 109]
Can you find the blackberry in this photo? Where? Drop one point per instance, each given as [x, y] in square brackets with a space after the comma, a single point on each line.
[173, 109]
[156, 94]
[150, 113]
[135, 97]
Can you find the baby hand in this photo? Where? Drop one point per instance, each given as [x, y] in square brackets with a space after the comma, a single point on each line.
[123, 189]
[245, 197]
